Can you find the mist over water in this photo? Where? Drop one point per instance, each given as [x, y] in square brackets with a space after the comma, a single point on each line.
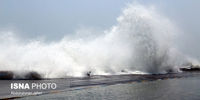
[141, 42]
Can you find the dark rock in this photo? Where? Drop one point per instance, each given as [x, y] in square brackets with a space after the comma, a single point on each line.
[33, 76]
[6, 75]
[191, 68]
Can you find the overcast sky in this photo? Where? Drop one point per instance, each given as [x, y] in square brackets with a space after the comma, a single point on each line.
[56, 18]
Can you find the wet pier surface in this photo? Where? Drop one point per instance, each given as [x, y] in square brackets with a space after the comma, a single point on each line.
[68, 84]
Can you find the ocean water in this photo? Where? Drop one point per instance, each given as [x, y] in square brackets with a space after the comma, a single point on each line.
[178, 88]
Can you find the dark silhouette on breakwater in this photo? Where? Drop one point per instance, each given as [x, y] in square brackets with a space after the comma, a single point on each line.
[9, 75]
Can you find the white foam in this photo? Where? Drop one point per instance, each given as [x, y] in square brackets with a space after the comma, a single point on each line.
[141, 42]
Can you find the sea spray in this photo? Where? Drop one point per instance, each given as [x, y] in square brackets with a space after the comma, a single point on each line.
[140, 42]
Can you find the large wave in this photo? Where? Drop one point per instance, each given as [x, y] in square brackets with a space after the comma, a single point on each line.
[140, 42]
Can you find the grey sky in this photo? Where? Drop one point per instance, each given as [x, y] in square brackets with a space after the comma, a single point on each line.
[56, 18]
